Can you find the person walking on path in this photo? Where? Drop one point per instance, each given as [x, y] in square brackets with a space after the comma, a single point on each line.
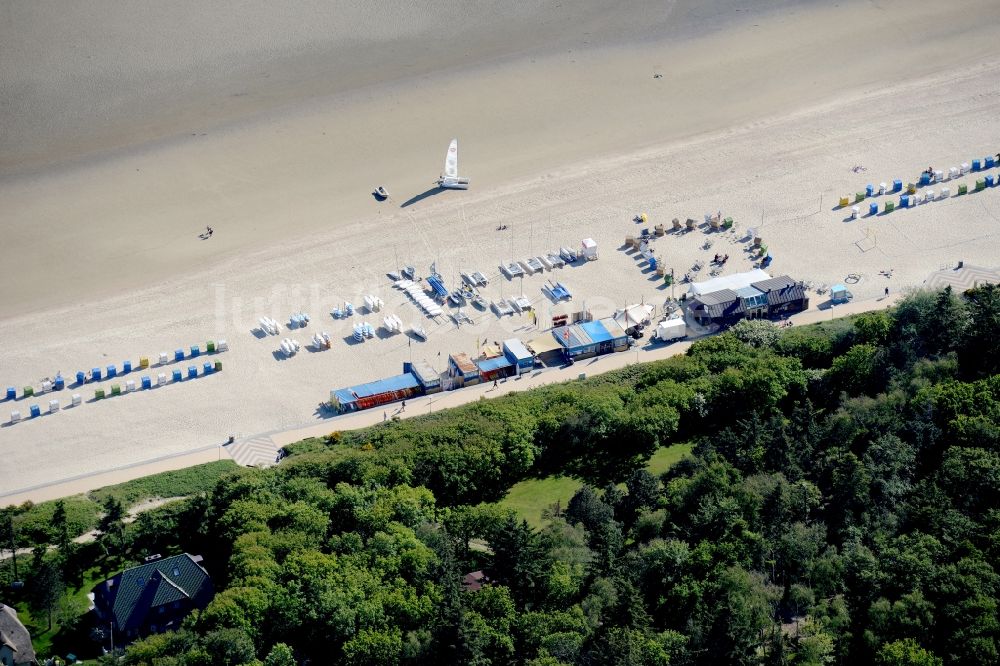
[495, 384]
[403, 406]
[385, 415]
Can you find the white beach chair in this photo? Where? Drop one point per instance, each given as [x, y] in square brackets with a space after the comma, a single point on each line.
[945, 193]
[53, 406]
[76, 400]
[855, 211]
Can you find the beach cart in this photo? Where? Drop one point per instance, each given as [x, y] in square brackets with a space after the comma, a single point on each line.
[840, 294]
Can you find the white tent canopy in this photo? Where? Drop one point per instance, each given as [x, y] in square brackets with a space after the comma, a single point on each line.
[633, 315]
[734, 282]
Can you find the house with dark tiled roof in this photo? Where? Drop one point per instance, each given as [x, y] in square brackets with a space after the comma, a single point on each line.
[765, 298]
[154, 596]
[15, 641]
[784, 295]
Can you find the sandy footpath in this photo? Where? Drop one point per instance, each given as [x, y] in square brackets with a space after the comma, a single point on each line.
[103, 262]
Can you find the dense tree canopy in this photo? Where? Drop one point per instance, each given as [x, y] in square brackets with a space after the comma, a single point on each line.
[842, 505]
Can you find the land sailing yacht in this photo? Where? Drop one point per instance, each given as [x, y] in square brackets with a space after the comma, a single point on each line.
[449, 179]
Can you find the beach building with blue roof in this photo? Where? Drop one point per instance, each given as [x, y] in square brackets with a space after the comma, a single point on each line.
[591, 338]
[498, 367]
[373, 394]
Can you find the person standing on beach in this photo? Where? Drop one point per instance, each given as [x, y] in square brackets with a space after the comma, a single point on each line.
[887, 292]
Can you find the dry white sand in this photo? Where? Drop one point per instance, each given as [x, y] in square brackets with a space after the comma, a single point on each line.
[761, 119]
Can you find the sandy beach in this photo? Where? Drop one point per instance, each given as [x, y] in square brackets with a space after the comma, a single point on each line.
[759, 114]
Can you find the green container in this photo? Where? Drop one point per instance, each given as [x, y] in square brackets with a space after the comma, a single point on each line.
[727, 223]
[28, 391]
[859, 197]
[210, 347]
[116, 389]
[218, 366]
[890, 206]
[980, 184]
[99, 394]
[963, 189]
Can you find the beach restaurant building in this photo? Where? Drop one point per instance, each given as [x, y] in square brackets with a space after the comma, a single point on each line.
[725, 300]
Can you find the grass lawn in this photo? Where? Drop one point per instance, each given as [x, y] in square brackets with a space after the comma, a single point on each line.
[666, 457]
[529, 498]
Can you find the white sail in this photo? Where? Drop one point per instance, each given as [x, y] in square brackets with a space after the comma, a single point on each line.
[451, 160]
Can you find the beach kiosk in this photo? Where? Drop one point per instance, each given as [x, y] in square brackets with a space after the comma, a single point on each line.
[428, 377]
[515, 351]
[492, 369]
[461, 370]
[588, 249]
[546, 348]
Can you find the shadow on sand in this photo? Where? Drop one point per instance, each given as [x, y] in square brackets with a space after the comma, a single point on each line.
[423, 195]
